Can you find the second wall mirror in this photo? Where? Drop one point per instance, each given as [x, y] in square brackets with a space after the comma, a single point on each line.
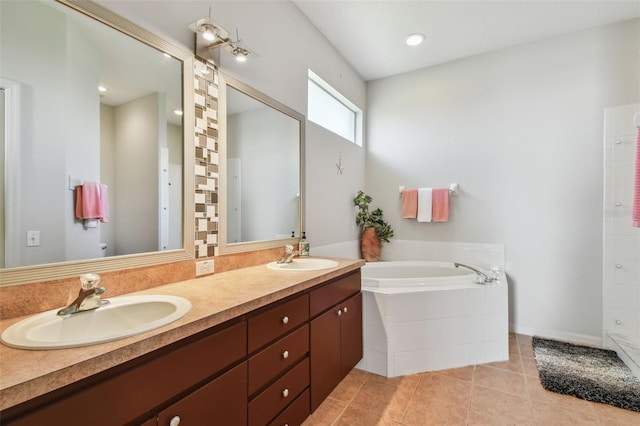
[261, 170]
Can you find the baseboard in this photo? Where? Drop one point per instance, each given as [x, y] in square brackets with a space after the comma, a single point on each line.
[581, 339]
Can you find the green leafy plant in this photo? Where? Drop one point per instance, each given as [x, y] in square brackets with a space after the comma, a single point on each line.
[371, 219]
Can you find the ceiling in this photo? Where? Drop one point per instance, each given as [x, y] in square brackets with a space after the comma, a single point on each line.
[370, 35]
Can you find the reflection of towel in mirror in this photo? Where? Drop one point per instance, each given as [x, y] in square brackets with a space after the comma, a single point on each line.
[424, 204]
[92, 201]
[440, 204]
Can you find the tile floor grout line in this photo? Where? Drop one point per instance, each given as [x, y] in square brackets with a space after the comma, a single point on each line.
[406, 409]
[473, 379]
[561, 409]
[369, 376]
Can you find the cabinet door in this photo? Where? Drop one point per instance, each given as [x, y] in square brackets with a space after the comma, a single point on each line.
[336, 347]
[222, 401]
[351, 334]
[325, 355]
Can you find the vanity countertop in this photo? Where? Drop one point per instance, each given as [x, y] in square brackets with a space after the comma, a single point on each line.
[215, 299]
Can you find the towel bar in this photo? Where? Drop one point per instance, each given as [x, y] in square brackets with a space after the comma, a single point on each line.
[453, 189]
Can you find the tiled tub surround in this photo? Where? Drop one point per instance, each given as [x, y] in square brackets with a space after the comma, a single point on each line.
[439, 325]
[486, 256]
[215, 299]
[439, 329]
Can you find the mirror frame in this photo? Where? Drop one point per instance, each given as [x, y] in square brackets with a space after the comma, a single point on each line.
[52, 271]
[224, 81]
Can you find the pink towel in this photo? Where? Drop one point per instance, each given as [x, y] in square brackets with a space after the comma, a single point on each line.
[92, 201]
[440, 206]
[635, 215]
[409, 203]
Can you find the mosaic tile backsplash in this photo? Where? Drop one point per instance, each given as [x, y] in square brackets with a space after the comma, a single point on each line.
[206, 159]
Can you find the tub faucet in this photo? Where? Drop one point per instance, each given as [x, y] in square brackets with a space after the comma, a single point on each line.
[481, 277]
[88, 297]
[288, 255]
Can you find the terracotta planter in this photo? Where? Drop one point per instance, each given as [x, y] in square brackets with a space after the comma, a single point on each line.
[371, 245]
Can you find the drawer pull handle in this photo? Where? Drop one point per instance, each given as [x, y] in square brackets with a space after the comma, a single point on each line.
[285, 393]
[285, 354]
[285, 320]
[175, 421]
[618, 266]
[345, 310]
[339, 312]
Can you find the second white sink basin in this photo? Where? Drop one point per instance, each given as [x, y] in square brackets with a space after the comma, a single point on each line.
[304, 264]
[124, 316]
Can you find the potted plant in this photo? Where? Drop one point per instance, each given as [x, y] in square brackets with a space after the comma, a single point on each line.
[374, 229]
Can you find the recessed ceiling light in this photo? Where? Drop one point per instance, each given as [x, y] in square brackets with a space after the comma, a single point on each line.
[102, 89]
[415, 39]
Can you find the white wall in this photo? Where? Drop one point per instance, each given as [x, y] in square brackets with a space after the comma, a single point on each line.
[140, 131]
[262, 139]
[287, 45]
[521, 131]
[53, 137]
[175, 144]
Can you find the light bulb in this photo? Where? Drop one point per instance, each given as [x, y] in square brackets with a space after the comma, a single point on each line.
[208, 33]
[240, 57]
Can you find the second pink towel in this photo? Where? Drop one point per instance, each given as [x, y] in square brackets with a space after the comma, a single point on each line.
[440, 206]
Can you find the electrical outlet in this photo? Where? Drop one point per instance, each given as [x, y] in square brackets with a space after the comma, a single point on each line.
[33, 238]
[204, 267]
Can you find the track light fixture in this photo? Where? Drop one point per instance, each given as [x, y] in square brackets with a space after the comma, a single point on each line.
[211, 38]
[209, 31]
[240, 53]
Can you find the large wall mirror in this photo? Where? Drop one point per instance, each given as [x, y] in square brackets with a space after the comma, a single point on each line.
[261, 182]
[59, 130]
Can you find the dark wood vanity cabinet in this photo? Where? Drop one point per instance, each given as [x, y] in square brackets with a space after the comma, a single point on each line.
[336, 335]
[223, 402]
[273, 366]
[279, 368]
[136, 390]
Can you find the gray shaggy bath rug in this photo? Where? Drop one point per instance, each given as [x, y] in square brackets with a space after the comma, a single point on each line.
[589, 373]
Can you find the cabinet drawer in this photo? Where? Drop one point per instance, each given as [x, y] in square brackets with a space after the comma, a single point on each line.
[222, 401]
[337, 291]
[294, 414]
[277, 357]
[276, 397]
[275, 322]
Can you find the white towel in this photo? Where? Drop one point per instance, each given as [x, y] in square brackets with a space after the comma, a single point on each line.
[424, 204]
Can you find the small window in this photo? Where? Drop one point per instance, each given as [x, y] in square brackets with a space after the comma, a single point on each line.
[330, 109]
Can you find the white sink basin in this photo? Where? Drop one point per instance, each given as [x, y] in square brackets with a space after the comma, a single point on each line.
[125, 316]
[303, 264]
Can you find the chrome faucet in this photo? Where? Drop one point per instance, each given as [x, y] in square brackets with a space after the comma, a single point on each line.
[481, 277]
[288, 255]
[88, 297]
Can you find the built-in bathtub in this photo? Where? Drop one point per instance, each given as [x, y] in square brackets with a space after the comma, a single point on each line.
[425, 316]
